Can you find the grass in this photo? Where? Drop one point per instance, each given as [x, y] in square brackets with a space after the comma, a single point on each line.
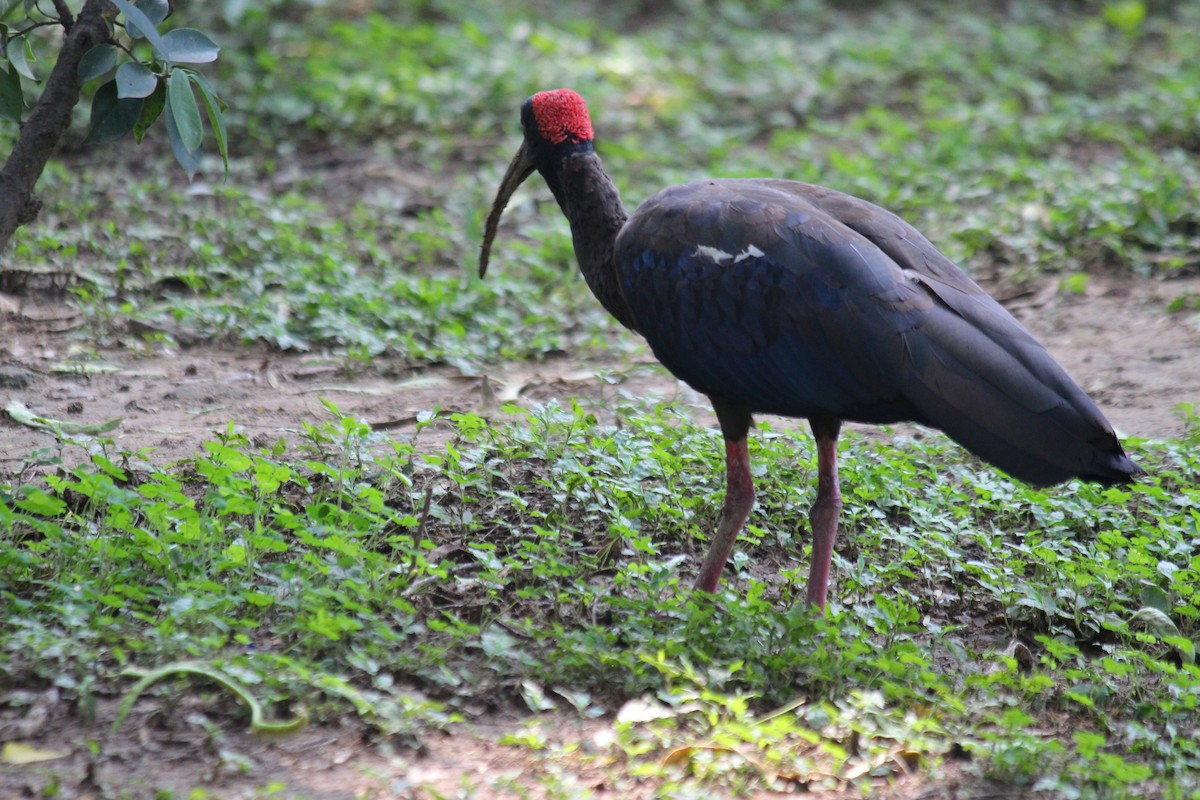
[1044, 140]
[1040, 640]
[545, 556]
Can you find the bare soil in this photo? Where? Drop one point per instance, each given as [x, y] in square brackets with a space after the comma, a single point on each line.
[1137, 361]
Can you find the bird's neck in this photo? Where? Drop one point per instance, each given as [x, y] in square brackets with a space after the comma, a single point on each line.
[592, 204]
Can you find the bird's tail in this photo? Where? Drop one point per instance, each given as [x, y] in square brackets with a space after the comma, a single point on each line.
[994, 389]
[1040, 448]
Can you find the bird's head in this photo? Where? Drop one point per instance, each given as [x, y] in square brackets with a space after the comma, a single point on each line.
[556, 125]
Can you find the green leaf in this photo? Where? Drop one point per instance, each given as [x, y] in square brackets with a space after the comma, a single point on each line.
[155, 10]
[135, 80]
[35, 501]
[535, 697]
[19, 412]
[139, 26]
[1076, 283]
[112, 117]
[188, 159]
[189, 46]
[1089, 742]
[182, 108]
[12, 99]
[97, 62]
[1155, 597]
[151, 109]
[216, 117]
[1154, 620]
[1185, 647]
[1126, 16]
[7, 6]
[20, 53]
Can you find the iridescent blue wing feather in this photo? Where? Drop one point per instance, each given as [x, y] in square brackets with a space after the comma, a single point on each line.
[792, 299]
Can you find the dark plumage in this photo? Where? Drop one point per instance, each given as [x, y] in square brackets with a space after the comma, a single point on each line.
[779, 297]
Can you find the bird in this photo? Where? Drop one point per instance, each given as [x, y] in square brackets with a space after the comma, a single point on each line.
[772, 296]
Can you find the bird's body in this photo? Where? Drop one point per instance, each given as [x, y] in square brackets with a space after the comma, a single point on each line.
[793, 299]
[772, 296]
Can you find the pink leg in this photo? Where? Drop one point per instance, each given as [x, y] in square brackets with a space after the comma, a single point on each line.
[739, 498]
[823, 516]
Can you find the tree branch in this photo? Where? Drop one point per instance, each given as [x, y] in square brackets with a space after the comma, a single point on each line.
[64, 15]
[47, 123]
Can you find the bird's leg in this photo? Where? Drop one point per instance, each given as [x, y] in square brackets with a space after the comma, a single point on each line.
[823, 516]
[739, 499]
[739, 493]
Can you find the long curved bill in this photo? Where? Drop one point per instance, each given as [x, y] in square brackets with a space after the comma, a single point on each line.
[520, 168]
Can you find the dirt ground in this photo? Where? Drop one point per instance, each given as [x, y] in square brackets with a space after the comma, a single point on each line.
[1136, 360]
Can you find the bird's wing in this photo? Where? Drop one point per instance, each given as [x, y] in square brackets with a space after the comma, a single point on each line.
[794, 299]
[762, 300]
[970, 325]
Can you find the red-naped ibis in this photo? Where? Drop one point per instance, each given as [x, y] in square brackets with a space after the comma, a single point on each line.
[778, 297]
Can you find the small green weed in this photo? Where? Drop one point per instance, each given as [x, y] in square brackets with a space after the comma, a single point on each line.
[1041, 639]
[401, 582]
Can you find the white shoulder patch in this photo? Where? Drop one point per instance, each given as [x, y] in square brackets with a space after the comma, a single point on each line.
[714, 254]
[719, 256]
[749, 252]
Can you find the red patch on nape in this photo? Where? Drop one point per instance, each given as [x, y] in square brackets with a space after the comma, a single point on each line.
[562, 115]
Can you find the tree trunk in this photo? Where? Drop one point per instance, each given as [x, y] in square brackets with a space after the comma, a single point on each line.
[47, 123]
